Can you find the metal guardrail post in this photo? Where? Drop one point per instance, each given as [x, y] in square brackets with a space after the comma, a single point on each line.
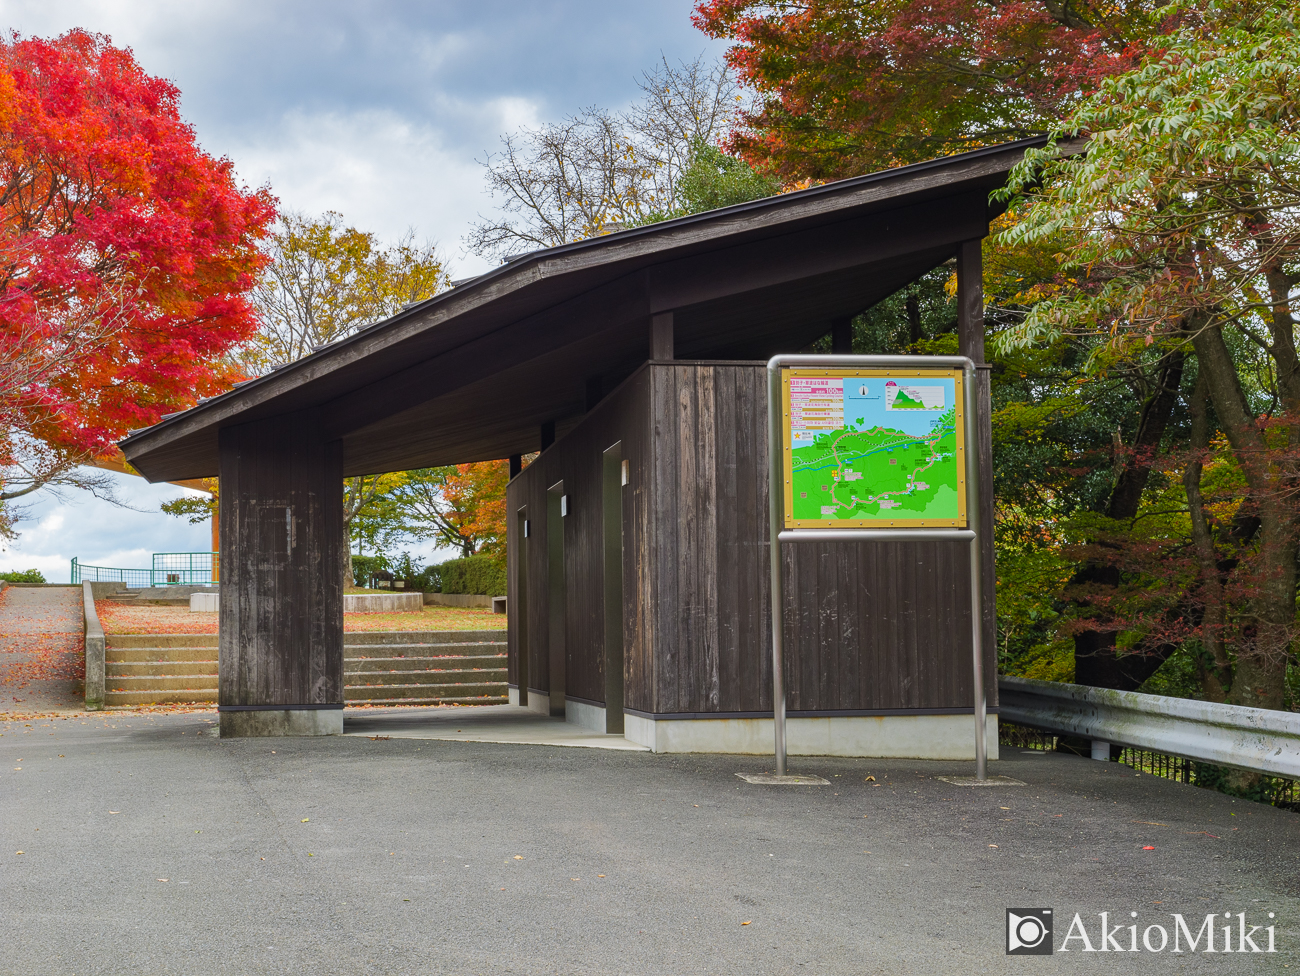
[96, 650]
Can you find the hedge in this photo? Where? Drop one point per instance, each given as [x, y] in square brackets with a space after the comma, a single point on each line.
[23, 576]
[484, 575]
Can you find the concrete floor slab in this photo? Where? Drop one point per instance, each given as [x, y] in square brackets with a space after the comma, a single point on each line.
[480, 723]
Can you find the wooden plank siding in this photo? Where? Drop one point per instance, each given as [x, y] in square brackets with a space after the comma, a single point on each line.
[282, 547]
[576, 459]
[869, 626]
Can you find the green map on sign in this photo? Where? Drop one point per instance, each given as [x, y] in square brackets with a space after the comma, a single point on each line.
[864, 450]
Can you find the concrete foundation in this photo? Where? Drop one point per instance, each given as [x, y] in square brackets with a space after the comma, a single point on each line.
[876, 736]
[586, 716]
[538, 701]
[289, 721]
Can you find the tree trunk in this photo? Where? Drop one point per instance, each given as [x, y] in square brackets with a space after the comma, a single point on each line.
[1213, 667]
[349, 581]
[1259, 680]
[1096, 660]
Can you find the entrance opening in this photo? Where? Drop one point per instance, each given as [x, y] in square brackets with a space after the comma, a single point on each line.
[612, 532]
[521, 604]
[556, 509]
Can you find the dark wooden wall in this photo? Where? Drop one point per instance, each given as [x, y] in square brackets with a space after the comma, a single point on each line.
[577, 460]
[869, 626]
[282, 544]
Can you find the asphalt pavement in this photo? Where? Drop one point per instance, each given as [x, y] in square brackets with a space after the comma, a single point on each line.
[149, 846]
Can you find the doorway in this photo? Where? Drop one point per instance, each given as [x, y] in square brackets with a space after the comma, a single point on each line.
[521, 604]
[557, 506]
[612, 481]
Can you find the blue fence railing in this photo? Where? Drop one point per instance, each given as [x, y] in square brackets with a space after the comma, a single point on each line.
[168, 569]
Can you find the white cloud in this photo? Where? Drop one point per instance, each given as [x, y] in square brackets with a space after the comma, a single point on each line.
[384, 172]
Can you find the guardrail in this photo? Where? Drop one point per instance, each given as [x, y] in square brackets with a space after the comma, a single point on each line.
[1257, 739]
[169, 569]
[96, 650]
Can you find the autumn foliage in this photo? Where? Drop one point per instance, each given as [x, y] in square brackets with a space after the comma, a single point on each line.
[848, 87]
[476, 499]
[125, 250]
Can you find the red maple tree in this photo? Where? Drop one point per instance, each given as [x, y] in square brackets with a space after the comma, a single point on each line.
[125, 249]
[851, 86]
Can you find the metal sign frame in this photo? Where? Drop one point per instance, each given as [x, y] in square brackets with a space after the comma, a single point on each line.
[778, 533]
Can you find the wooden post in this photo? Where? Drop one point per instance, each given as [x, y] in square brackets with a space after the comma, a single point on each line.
[516, 465]
[842, 336]
[661, 336]
[970, 334]
[548, 434]
[216, 536]
[280, 656]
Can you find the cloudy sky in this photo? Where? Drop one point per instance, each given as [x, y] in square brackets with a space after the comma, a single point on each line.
[378, 110]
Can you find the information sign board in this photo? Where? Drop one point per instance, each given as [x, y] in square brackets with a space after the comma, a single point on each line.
[879, 448]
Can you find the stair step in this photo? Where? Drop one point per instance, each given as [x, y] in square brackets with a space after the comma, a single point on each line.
[479, 649]
[372, 637]
[143, 655]
[153, 682]
[439, 691]
[125, 641]
[191, 695]
[451, 663]
[171, 669]
[355, 679]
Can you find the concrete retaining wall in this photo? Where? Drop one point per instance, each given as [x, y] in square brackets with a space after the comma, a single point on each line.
[210, 602]
[457, 600]
[381, 602]
[95, 650]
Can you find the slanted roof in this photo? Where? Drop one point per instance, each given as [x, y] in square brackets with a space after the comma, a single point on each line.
[474, 372]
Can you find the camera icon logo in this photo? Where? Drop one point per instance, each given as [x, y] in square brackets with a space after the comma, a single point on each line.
[1029, 931]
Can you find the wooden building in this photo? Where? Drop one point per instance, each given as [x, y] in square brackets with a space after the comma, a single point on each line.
[638, 554]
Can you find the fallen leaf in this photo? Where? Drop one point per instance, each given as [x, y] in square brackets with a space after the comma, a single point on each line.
[114, 811]
[1149, 823]
[162, 879]
[747, 923]
[306, 819]
[993, 845]
[599, 876]
[18, 852]
[519, 857]
[869, 779]
[575, 879]
[1148, 848]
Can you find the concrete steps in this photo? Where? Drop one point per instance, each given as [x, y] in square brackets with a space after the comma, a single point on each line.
[379, 668]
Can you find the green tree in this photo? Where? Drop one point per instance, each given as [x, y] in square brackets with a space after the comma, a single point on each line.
[711, 179]
[1182, 223]
[326, 280]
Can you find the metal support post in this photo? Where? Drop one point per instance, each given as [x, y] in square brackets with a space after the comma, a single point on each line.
[976, 578]
[775, 497]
